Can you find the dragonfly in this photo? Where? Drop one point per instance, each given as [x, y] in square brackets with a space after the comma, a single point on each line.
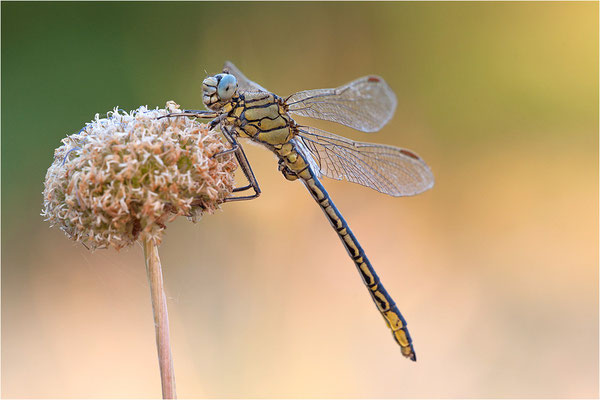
[241, 108]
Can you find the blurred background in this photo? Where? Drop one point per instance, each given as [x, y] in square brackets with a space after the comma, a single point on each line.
[495, 269]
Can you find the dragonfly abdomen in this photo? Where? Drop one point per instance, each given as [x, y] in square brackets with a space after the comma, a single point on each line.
[384, 302]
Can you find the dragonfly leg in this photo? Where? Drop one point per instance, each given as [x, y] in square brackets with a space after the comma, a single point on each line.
[242, 188]
[245, 166]
[233, 149]
[192, 113]
[212, 124]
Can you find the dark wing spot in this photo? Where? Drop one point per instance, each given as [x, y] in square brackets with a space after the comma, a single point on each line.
[410, 154]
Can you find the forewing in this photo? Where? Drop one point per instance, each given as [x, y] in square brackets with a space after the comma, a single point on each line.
[244, 84]
[387, 169]
[366, 104]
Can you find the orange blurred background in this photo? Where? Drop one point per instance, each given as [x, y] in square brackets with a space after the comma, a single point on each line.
[495, 268]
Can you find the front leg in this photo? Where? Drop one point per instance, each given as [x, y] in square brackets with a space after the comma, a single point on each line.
[217, 117]
[213, 124]
[192, 113]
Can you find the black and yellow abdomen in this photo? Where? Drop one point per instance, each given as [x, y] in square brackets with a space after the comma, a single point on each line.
[300, 168]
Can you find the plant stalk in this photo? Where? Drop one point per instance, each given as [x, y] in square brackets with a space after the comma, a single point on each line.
[161, 318]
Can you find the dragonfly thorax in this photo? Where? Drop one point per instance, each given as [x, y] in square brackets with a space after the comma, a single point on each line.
[217, 90]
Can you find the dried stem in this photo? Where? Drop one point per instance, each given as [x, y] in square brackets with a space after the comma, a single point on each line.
[161, 318]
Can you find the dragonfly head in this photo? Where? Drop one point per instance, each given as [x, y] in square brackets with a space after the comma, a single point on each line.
[218, 90]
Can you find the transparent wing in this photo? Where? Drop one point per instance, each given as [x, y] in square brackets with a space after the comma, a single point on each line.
[244, 84]
[366, 104]
[387, 169]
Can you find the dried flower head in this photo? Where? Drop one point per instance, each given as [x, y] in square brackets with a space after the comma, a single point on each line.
[128, 174]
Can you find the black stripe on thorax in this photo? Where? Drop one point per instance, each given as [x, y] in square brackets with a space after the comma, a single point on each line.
[272, 129]
[243, 116]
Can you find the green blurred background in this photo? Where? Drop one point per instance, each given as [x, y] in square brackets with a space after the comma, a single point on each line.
[495, 269]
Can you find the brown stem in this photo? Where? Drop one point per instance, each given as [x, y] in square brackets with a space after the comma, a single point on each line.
[161, 318]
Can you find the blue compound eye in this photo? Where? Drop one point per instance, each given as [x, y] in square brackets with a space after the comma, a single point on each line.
[226, 87]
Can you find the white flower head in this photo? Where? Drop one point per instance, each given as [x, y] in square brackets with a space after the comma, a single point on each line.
[129, 174]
